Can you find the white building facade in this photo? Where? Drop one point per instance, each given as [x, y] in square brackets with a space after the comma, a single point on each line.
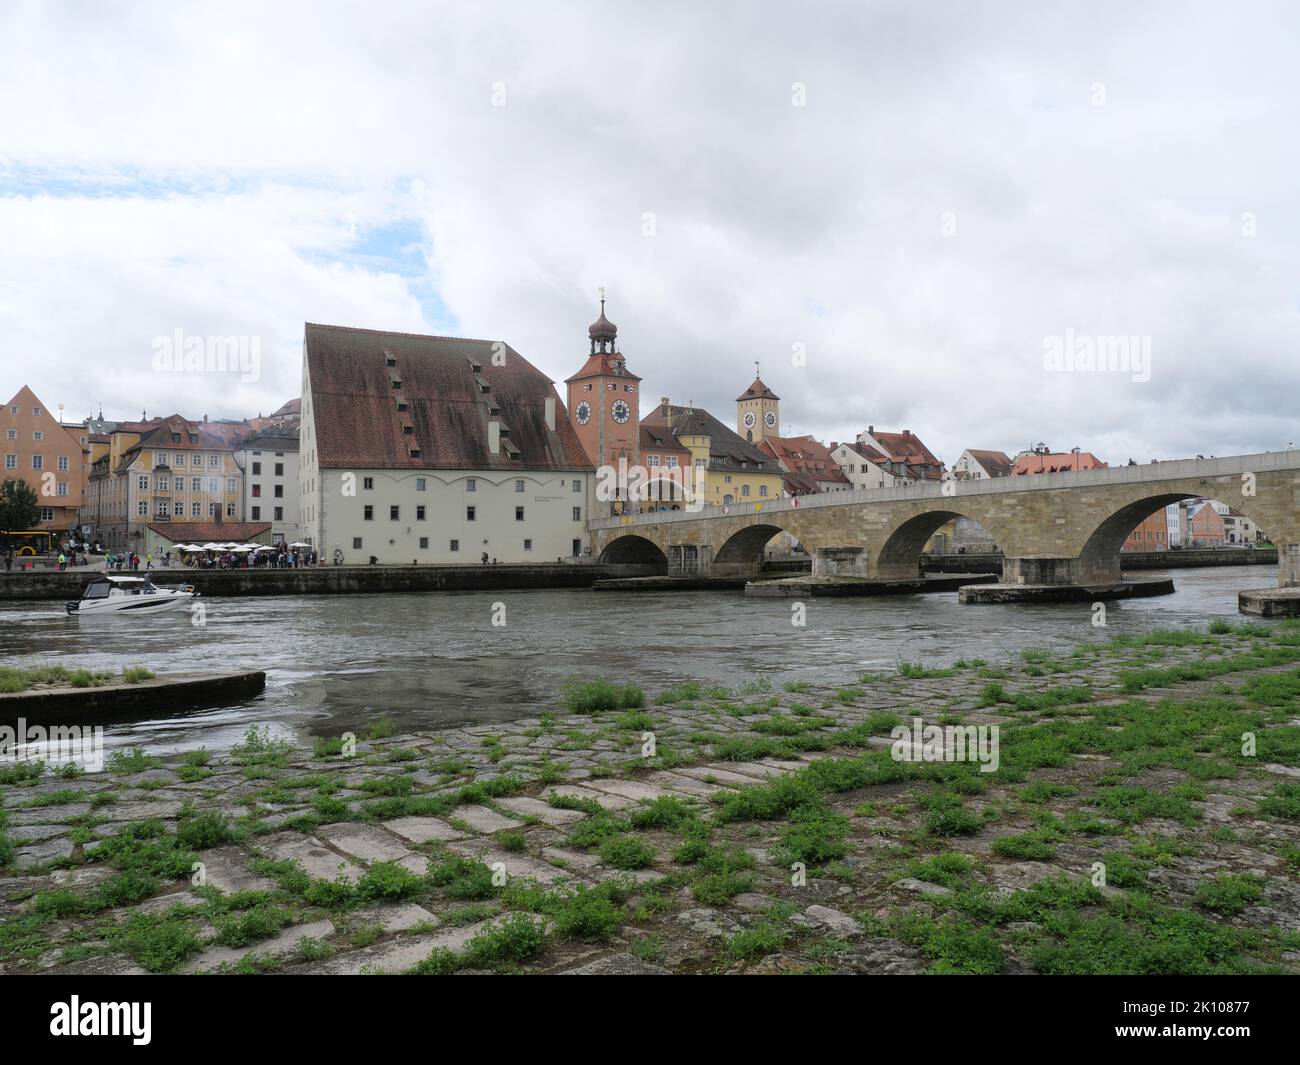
[435, 450]
[269, 462]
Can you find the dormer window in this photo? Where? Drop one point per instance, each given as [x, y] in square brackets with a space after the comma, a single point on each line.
[390, 359]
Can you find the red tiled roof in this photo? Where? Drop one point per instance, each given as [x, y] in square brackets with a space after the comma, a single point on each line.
[185, 532]
[443, 382]
[804, 454]
[867, 452]
[1055, 462]
[727, 451]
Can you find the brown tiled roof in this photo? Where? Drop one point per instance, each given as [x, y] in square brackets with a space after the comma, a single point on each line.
[905, 447]
[658, 438]
[293, 406]
[804, 454]
[602, 364]
[866, 451]
[995, 463]
[160, 438]
[451, 389]
[185, 532]
[799, 484]
[727, 451]
[757, 390]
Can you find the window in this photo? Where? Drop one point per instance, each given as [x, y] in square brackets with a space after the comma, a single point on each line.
[762, 489]
[230, 486]
[424, 543]
[11, 434]
[367, 483]
[196, 510]
[394, 513]
[142, 508]
[519, 513]
[163, 484]
[36, 462]
[279, 469]
[577, 514]
[196, 460]
[528, 545]
[178, 510]
[279, 491]
[577, 486]
[257, 468]
[63, 462]
[13, 409]
[469, 513]
[419, 513]
[47, 513]
[471, 484]
[11, 462]
[196, 484]
[420, 484]
[214, 461]
[455, 545]
[212, 510]
[519, 486]
[652, 461]
[672, 462]
[255, 513]
[257, 491]
[142, 482]
[214, 486]
[38, 435]
[61, 488]
[230, 510]
[160, 458]
[368, 513]
[356, 543]
[744, 489]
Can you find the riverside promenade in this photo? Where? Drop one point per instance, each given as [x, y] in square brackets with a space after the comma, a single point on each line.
[1143, 816]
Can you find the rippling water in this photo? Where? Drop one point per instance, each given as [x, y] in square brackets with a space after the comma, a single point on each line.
[435, 659]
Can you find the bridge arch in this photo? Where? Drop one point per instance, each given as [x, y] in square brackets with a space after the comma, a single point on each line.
[1099, 558]
[742, 553]
[900, 552]
[634, 550]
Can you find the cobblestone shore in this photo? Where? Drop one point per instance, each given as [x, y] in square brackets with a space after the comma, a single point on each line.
[1144, 817]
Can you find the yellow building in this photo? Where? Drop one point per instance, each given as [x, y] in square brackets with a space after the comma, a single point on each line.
[167, 471]
[730, 469]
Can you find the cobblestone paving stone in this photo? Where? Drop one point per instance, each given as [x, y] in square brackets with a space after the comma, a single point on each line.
[550, 844]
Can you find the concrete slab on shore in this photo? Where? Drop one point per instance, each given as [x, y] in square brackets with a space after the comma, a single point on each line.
[124, 702]
[821, 587]
[1065, 593]
[1270, 602]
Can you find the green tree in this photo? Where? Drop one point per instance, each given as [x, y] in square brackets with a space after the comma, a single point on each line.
[19, 508]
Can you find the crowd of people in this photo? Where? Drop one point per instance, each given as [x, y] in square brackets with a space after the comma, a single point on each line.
[280, 557]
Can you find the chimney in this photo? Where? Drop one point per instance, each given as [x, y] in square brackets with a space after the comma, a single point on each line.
[494, 438]
[871, 429]
[907, 432]
[550, 413]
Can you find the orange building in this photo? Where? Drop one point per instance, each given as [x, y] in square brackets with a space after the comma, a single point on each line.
[604, 400]
[48, 456]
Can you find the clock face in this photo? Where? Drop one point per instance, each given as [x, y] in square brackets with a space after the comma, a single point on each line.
[749, 419]
[621, 411]
[769, 419]
[583, 412]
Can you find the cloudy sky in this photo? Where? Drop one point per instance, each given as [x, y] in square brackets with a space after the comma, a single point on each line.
[895, 207]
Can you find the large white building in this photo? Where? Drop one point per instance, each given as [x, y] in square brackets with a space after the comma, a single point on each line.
[435, 449]
[269, 461]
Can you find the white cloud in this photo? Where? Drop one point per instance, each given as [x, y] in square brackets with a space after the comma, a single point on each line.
[286, 135]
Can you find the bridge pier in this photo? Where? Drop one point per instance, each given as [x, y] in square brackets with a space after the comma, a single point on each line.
[1059, 571]
[1288, 565]
[840, 562]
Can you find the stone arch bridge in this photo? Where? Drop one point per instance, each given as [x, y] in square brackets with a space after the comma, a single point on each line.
[1053, 529]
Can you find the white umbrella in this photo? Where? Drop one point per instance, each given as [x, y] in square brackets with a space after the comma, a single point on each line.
[211, 547]
[242, 547]
[300, 544]
[264, 547]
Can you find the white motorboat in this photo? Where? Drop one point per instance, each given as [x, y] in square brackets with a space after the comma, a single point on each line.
[112, 594]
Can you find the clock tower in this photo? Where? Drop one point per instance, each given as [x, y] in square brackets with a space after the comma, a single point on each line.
[604, 398]
[758, 411]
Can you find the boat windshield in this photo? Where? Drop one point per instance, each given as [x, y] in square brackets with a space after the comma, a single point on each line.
[96, 590]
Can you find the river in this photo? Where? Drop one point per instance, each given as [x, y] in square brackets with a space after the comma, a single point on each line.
[429, 660]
